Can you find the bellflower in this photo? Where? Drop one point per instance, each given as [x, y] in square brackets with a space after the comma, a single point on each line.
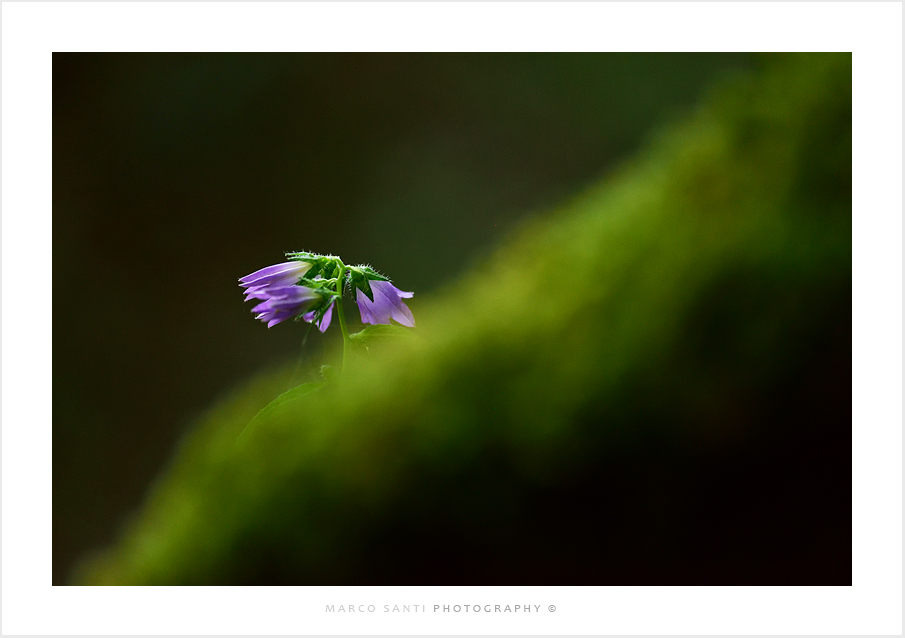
[277, 276]
[310, 286]
[387, 304]
[285, 303]
[281, 298]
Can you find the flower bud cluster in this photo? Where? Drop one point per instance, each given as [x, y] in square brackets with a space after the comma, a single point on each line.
[309, 285]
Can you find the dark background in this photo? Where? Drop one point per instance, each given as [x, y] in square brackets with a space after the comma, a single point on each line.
[176, 174]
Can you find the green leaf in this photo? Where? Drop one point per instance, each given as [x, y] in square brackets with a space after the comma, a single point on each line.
[291, 399]
[375, 335]
[372, 333]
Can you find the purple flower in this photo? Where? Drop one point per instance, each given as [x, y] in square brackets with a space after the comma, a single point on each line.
[285, 303]
[281, 298]
[277, 276]
[387, 304]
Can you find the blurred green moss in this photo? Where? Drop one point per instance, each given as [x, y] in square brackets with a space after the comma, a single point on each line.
[647, 385]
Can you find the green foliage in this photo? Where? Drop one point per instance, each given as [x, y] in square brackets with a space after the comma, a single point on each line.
[291, 401]
[577, 397]
[370, 336]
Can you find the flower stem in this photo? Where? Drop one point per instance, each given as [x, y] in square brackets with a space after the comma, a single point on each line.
[347, 342]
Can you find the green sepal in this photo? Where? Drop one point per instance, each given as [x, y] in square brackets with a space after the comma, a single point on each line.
[326, 287]
[370, 272]
[360, 275]
[303, 255]
[327, 266]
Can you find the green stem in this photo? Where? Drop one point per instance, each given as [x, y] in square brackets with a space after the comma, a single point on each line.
[347, 342]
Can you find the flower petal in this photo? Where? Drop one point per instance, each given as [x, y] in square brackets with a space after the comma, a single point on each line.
[288, 272]
[281, 303]
[364, 307]
[390, 290]
[395, 307]
[276, 320]
[404, 316]
[325, 320]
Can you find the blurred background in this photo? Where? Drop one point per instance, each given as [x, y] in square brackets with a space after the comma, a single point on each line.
[174, 175]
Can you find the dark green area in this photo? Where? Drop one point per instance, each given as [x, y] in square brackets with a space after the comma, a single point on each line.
[176, 174]
[648, 385]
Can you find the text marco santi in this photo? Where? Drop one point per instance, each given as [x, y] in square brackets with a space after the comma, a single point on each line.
[436, 608]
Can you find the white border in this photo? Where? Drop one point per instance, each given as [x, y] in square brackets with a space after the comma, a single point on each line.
[871, 30]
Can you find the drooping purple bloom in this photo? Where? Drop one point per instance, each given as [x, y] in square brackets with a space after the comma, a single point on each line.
[387, 304]
[281, 298]
[276, 276]
[285, 303]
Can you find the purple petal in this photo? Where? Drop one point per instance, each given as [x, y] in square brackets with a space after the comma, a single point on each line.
[404, 316]
[394, 305]
[283, 303]
[383, 307]
[288, 272]
[325, 320]
[287, 279]
[390, 290]
[273, 322]
[364, 307]
[262, 308]
[289, 292]
[272, 318]
[276, 270]
[256, 292]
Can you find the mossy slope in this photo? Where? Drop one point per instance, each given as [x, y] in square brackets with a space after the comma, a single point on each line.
[650, 385]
